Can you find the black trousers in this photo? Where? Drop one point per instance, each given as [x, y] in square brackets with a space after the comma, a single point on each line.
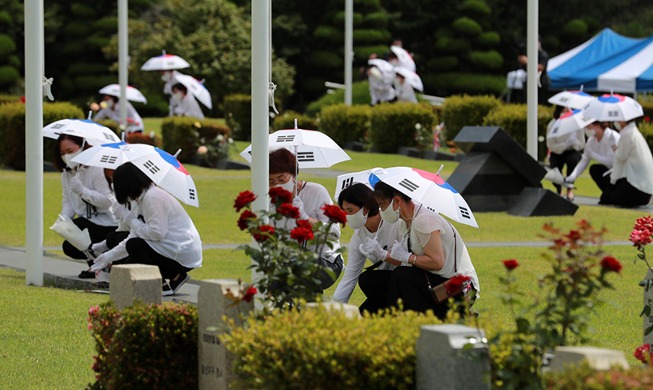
[409, 284]
[96, 232]
[623, 194]
[570, 158]
[597, 171]
[375, 285]
[115, 238]
[141, 253]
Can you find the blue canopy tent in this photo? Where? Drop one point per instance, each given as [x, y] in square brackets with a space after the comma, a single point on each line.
[608, 62]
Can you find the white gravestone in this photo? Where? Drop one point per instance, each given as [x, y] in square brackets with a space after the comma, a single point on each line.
[443, 362]
[214, 361]
[130, 282]
[351, 311]
[597, 358]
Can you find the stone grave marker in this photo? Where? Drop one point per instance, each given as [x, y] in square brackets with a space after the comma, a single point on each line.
[130, 282]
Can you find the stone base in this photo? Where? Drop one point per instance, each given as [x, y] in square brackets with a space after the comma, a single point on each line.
[410, 151]
[355, 146]
[597, 358]
[229, 164]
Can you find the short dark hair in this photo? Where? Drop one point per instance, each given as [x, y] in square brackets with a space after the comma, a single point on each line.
[283, 161]
[129, 182]
[385, 191]
[180, 87]
[57, 160]
[360, 195]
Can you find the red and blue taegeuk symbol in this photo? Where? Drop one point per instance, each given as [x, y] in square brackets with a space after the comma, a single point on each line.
[172, 160]
[614, 98]
[435, 178]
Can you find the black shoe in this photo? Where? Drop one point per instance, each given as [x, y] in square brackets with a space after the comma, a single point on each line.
[171, 287]
[86, 275]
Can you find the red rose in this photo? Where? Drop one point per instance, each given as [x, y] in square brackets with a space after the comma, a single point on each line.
[303, 223]
[640, 238]
[278, 195]
[288, 210]
[244, 219]
[335, 214]
[510, 264]
[643, 353]
[644, 223]
[456, 282]
[263, 233]
[573, 235]
[609, 263]
[583, 224]
[249, 294]
[301, 234]
[244, 199]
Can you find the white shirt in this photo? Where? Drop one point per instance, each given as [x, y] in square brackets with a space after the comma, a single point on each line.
[134, 121]
[424, 223]
[315, 196]
[97, 194]
[405, 92]
[189, 107]
[633, 160]
[600, 151]
[381, 90]
[167, 90]
[386, 235]
[167, 229]
[569, 141]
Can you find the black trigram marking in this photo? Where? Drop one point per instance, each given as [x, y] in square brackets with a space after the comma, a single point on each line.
[305, 156]
[107, 137]
[564, 99]
[191, 193]
[149, 165]
[431, 209]
[347, 182]
[108, 159]
[613, 114]
[285, 138]
[58, 126]
[409, 185]
[464, 212]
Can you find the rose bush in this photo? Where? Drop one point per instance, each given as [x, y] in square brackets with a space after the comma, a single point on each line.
[641, 236]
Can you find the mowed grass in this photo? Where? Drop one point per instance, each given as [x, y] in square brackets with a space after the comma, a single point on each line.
[44, 342]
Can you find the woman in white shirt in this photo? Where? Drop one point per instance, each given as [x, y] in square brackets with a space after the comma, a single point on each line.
[372, 237]
[431, 248]
[87, 198]
[309, 199]
[185, 103]
[600, 147]
[631, 180]
[161, 232]
[564, 150]
[109, 108]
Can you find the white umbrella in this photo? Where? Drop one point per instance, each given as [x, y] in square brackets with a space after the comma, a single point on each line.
[196, 88]
[133, 94]
[94, 133]
[383, 65]
[427, 188]
[571, 99]
[112, 155]
[165, 62]
[613, 108]
[404, 57]
[411, 77]
[312, 148]
[569, 122]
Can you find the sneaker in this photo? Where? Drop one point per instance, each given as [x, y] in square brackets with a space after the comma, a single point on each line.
[172, 286]
[86, 275]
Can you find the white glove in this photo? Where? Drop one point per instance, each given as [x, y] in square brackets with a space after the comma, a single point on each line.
[297, 202]
[99, 247]
[568, 182]
[373, 251]
[100, 263]
[119, 210]
[76, 185]
[590, 153]
[400, 253]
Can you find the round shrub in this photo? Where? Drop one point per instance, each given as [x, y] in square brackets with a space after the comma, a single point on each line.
[108, 24]
[328, 33]
[459, 111]
[451, 45]
[346, 123]
[575, 28]
[7, 46]
[8, 75]
[5, 19]
[238, 113]
[371, 36]
[360, 94]
[14, 61]
[82, 10]
[339, 18]
[375, 20]
[476, 7]
[443, 63]
[488, 39]
[398, 124]
[472, 83]
[365, 51]
[185, 133]
[490, 59]
[287, 121]
[467, 26]
[325, 59]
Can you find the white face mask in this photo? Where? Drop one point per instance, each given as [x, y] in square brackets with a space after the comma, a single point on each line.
[109, 103]
[289, 186]
[617, 126]
[177, 96]
[68, 157]
[589, 133]
[389, 214]
[166, 76]
[357, 220]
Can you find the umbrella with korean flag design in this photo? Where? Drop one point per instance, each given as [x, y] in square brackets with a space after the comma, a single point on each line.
[427, 188]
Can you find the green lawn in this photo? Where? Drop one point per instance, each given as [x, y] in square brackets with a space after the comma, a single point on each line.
[44, 342]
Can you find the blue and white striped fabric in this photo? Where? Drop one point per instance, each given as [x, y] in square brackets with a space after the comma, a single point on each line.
[607, 62]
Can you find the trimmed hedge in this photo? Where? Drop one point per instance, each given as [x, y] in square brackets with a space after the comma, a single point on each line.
[360, 94]
[12, 130]
[401, 124]
[346, 123]
[287, 121]
[321, 349]
[459, 111]
[238, 113]
[185, 133]
[513, 117]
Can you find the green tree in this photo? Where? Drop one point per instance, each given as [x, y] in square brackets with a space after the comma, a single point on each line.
[11, 20]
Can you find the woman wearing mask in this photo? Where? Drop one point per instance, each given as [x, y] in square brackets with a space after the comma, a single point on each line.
[87, 196]
[109, 108]
[431, 248]
[309, 198]
[160, 231]
[185, 103]
[371, 236]
[564, 150]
